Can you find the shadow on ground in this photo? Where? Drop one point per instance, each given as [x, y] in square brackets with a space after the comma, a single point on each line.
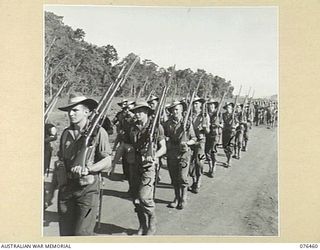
[110, 229]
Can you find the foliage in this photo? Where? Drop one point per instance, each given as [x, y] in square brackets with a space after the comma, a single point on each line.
[90, 68]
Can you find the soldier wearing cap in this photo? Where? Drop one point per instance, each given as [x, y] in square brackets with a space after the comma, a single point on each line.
[228, 131]
[247, 122]
[78, 203]
[178, 152]
[201, 125]
[123, 119]
[153, 101]
[239, 132]
[142, 171]
[213, 137]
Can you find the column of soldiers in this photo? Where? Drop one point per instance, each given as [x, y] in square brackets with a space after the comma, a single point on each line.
[187, 141]
[266, 113]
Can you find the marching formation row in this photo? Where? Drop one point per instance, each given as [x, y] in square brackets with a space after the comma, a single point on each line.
[186, 131]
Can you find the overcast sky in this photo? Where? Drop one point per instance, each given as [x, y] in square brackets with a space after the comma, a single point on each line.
[238, 44]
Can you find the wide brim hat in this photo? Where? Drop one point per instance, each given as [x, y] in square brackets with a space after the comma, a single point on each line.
[175, 103]
[128, 103]
[211, 100]
[123, 103]
[199, 99]
[75, 100]
[141, 104]
[228, 104]
[152, 98]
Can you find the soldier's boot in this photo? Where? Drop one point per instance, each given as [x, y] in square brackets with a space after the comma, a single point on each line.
[245, 147]
[183, 200]
[198, 184]
[152, 223]
[239, 153]
[142, 223]
[193, 186]
[228, 160]
[211, 167]
[235, 152]
[176, 198]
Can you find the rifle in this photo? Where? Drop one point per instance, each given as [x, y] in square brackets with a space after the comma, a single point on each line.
[220, 103]
[235, 103]
[53, 101]
[142, 88]
[156, 121]
[187, 114]
[244, 103]
[150, 94]
[94, 125]
[55, 69]
[119, 77]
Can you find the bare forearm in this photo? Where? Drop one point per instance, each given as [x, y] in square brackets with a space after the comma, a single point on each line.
[103, 164]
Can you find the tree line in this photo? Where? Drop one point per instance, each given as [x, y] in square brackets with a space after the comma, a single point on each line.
[90, 68]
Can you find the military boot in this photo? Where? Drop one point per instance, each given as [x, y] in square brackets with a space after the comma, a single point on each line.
[239, 154]
[152, 223]
[210, 173]
[142, 223]
[176, 198]
[183, 200]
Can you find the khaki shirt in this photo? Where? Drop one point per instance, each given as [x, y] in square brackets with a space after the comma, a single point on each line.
[70, 147]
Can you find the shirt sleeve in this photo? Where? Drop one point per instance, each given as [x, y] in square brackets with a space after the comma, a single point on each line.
[160, 134]
[103, 146]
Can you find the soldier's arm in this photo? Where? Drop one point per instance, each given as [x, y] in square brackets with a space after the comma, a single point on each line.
[192, 136]
[162, 149]
[103, 153]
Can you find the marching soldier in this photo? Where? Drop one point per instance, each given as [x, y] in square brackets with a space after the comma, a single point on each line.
[153, 101]
[78, 203]
[228, 131]
[50, 135]
[122, 115]
[239, 132]
[247, 122]
[142, 172]
[178, 152]
[213, 137]
[123, 119]
[201, 128]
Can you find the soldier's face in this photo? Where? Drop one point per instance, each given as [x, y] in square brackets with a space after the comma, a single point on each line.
[177, 111]
[229, 109]
[153, 104]
[211, 107]
[141, 114]
[238, 108]
[197, 106]
[78, 113]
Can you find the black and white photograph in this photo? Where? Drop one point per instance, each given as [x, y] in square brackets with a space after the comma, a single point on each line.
[160, 121]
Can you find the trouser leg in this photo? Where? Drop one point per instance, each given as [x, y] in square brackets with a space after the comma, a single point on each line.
[87, 209]
[146, 197]
[67, 215]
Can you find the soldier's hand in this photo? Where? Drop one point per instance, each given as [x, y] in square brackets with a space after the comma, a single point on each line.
[110, 170]
[77, 170]
[58, 164]
[149, 158]
[48, 196]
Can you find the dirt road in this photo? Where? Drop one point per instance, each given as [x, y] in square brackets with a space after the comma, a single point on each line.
[241, 200]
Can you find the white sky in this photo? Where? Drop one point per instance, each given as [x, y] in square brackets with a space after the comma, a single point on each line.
[239, 44]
